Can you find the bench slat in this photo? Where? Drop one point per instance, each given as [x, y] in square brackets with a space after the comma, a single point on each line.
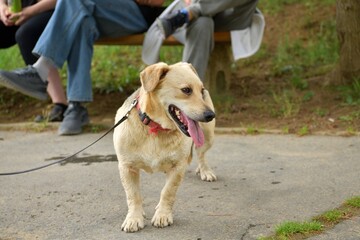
[137, 39]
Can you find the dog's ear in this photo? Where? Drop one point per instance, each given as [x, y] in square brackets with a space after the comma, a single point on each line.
[152, 74]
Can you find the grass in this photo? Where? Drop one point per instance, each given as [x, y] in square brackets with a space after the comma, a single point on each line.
[354, 202]
[223, 103]
[333, 215]
[304, 130]
[287, 102]
[299, 59]
[275, 6]
[323, 222]
[351, 93]
[252, 130]
[288, 228]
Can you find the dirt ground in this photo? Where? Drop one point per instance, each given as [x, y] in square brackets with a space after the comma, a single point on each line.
[250, 103]
[251, 107]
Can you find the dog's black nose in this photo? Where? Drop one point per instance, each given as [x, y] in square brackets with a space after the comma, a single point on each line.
[209, 115]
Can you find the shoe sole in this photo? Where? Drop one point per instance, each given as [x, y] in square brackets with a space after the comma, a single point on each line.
[9, 84]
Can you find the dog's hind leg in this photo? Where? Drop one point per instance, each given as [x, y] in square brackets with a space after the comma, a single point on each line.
[163, 215]
[130, 179]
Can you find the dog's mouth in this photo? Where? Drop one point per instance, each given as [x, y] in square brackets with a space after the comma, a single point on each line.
[187, 125]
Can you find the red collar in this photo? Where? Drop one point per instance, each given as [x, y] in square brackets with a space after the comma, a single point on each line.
[154, 127]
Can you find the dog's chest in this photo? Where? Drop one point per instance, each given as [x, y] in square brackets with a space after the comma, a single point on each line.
[154, 155]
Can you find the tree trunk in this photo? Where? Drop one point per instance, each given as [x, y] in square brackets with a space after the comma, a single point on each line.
[348, 30]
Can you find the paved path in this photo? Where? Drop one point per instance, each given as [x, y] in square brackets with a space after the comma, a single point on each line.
[264, 180]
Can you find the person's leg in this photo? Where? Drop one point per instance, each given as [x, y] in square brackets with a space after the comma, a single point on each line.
[29, 33]
[199, 35]
[110, 19]
[199, 44]
[237, 18]
[7, 34]
[26, 37]
[77, 24]
[210, 8]
[197, 8]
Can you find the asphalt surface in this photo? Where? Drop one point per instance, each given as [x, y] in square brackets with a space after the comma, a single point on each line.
[263, 181]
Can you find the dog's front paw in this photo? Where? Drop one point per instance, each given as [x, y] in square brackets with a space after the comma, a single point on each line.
[133, 223]
[162, 219]
[206, 174]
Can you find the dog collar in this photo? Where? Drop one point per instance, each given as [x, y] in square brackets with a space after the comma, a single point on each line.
[154, 127]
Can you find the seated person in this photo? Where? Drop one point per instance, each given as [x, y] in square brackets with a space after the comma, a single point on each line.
[69, 37]
[25, 31]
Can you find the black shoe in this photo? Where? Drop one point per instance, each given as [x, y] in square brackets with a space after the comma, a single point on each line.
[175, 20]
[25, 80]
[56, 114]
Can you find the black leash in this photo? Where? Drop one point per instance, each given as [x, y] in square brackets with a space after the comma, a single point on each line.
[133, 104]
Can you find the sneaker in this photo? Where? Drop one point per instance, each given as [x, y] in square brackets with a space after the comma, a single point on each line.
[25, 80]
[56, 114]
[175, 20]
[75, 117]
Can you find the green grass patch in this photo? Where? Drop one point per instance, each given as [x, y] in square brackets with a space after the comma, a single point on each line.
[289, 228]
[354, 202]
[287, 103]
[11, 58]
[299, 59]
[304, 130]
[223, 103]
[351, 92]
[323, 222]
[252, 130]
[333, 215]
[321, 112]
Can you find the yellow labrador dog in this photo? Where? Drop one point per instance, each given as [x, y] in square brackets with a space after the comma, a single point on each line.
[159, 134]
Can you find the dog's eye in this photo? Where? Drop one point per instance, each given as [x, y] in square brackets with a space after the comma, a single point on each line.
[186, 90]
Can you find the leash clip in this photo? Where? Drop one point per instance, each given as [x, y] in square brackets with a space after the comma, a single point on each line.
[133, 104]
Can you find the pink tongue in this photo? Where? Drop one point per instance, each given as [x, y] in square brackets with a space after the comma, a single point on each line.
[195, 131]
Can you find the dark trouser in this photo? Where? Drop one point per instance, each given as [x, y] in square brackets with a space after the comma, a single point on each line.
[25, 35]
[222, 15]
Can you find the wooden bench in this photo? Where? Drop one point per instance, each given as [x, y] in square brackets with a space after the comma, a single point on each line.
[218, 74]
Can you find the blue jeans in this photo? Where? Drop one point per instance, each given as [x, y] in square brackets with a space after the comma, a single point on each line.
[73, 29]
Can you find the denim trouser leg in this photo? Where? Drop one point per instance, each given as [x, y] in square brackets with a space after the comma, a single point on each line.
[79, 87]
[72, 31]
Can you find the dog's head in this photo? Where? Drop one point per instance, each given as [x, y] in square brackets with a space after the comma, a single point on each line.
[174, 97]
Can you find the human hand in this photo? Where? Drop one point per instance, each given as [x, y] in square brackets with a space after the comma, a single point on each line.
[151, 2]
[21, 17]
[187, 2]
[5, 15]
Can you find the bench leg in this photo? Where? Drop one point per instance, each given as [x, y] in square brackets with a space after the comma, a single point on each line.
[218, 73]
